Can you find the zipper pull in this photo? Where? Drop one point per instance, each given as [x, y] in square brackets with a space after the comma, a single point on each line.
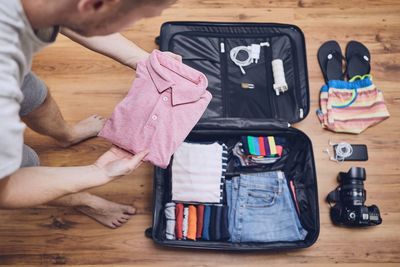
[301, 111]
[222, 46]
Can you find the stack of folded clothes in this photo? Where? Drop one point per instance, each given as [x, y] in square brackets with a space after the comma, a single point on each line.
[196, 222]
[198, 178]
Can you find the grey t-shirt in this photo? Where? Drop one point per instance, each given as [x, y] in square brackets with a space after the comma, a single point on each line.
[18, 44]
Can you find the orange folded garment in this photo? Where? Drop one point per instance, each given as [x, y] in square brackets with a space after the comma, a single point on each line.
[192, 223]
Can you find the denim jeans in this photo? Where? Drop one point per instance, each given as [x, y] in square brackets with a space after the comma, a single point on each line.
[261, 209]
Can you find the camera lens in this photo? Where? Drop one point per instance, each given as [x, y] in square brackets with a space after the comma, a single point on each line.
[352, 190]
[353, 194]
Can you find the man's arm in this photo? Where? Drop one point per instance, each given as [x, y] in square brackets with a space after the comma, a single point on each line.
[33, 186]
[115, 46]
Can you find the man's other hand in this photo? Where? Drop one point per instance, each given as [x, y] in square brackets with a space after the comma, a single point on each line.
[117, 162]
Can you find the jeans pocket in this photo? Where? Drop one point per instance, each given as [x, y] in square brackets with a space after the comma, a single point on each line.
[260, 198]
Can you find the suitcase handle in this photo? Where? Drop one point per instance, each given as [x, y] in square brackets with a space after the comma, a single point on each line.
[149, 233]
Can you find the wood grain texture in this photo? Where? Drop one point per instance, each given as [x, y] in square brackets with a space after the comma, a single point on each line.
[84, 83]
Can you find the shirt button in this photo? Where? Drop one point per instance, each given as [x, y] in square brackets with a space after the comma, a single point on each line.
[165, 99]
[154, 117]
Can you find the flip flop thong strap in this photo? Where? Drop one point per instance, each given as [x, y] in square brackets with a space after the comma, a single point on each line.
[334, 55]
[364, 59]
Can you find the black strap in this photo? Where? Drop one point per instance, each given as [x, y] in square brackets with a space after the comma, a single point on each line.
[333, 196]
[337, 58]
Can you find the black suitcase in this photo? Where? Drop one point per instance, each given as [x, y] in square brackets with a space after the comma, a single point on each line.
[234, 112]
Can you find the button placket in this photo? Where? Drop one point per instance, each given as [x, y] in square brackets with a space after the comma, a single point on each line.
[166, 96]
[157, 113]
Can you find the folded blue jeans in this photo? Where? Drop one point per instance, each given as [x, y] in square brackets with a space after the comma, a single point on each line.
[261, 209]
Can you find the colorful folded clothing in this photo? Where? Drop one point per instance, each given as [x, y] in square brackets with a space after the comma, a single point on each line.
[351, 107]
[260, 146]
[196, 222]
[258, 150]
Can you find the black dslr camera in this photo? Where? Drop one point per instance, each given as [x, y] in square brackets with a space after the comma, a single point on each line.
[349, 198]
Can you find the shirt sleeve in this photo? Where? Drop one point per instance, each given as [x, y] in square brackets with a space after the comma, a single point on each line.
[12, 65]
[11, 136]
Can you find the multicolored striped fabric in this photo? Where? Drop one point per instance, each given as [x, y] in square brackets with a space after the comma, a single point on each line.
[351, 107]
[261, 146]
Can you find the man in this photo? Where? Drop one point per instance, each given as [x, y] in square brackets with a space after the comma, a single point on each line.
[26, 26]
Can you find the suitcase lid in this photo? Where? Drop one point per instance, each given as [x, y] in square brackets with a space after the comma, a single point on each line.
[244, 100]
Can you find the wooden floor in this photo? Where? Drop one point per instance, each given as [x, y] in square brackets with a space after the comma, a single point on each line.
[84, 83]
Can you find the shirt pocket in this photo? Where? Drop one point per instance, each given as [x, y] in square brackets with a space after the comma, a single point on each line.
[261, 198]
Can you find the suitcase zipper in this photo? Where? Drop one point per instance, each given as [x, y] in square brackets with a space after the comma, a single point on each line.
[223, 60]
[269, 78]
[222, 45]
[301, 113]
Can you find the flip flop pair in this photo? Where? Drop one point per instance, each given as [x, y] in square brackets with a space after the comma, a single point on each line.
[330, 60]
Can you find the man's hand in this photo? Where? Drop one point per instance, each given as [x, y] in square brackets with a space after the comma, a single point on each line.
[117, 162]
[48, 183]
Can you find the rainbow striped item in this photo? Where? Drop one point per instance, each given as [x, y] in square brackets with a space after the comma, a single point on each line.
[351, 107]
[261, 146]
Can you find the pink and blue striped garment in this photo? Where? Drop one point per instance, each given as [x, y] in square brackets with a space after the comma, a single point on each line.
[351, 107]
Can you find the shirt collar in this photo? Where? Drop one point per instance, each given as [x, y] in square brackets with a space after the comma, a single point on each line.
[157, 65]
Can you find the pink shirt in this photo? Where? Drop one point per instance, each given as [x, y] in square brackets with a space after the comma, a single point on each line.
[165, 102]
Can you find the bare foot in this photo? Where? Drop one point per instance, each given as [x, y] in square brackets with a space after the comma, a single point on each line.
[83, 130]
[108, 213]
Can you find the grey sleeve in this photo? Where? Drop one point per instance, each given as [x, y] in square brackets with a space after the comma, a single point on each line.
[11, 137]
[12, 65]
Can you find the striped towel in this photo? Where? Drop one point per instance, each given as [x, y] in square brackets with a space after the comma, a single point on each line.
[351, 107]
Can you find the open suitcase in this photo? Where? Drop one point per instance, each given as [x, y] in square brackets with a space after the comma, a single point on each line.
[234, 112]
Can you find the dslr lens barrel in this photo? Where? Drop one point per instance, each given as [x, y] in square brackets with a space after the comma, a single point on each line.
[352, 190]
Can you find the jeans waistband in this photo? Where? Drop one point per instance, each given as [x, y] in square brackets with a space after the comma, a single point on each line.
[262, 180]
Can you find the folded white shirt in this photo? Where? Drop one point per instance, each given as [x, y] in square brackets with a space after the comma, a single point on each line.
[197, 171]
